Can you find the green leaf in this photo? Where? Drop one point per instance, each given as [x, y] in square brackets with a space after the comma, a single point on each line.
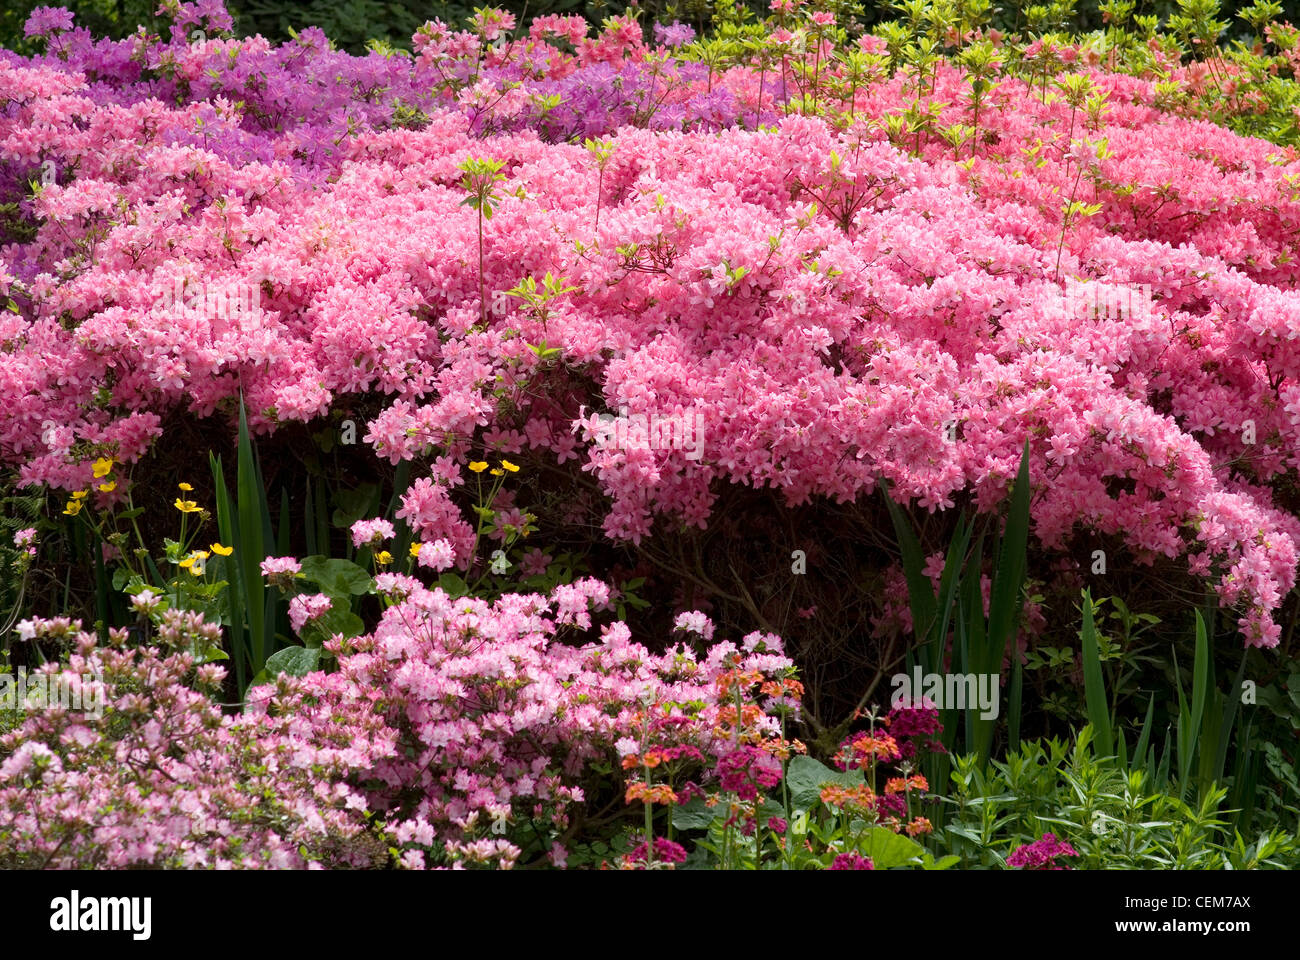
[453, 585]
[1094, 684]
[338, 578]
[693, 815]
[949, 583]
[338, 619]
[251, 499]
[295, 661]
[929, 863]
[234, 569]
[353, 505]
[1229, 717]
[889, 849]
[1144, 738]
[806, 776]
[1189, 720]
[1005, 600]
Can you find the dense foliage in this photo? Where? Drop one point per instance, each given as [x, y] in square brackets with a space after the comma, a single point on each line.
[532, 323]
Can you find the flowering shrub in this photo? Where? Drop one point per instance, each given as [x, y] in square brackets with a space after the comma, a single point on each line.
[459, 722]
[162, 779]
[499, 723]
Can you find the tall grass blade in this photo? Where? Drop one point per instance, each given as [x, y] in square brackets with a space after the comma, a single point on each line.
[251, 506]
[236, 592]
[1144, 738]
[1094, 683]
[920, 594]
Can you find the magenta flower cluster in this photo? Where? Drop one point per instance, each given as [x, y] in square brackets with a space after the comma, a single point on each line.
[851, 861]
[1041, 854]
[747, 770]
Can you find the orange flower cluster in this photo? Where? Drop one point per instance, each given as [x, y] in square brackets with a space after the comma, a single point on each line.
[904, 784]
[859, 798]
[865, 747]
[657, 755]
[648, 793]
[788, 687]
[919, 826]
[783, 749]
[750, 714]
[744, 679]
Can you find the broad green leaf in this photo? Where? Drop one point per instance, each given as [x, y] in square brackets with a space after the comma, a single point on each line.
[888, 849]
[453, 585]
[929, 863]
[295, 661]
[338, 619]
[353, 505]
[806, 776]
[693, 815]
[338, 578]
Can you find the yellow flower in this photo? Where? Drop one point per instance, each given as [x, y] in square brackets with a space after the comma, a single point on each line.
[81, 495]
[73, 507]
[415, 549]
[187, 506]
[185, 486]
[108, 487]
[103, 467]
[497, 473]
[509, 466]
[195, 562]
[478, 466]
[383, 558]
[221, 551]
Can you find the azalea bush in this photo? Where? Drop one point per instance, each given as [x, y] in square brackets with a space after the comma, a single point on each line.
[159, 778]
[820, 246]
